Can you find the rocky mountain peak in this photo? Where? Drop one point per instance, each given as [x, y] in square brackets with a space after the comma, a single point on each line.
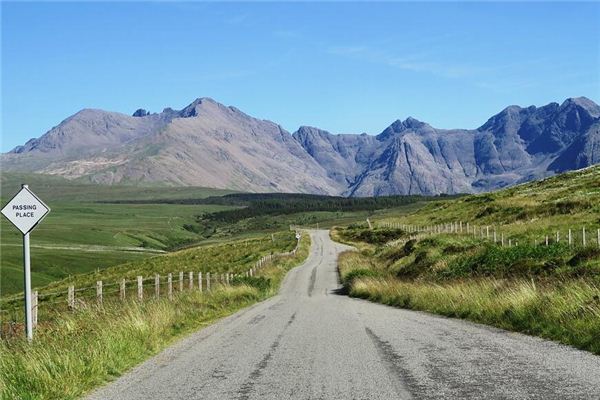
[410, 124]
[140, 112]
[582, 103]
[196, 107]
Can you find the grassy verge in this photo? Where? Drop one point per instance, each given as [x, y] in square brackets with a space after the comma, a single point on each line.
[552, 292]
[76, 352]
[549, 290]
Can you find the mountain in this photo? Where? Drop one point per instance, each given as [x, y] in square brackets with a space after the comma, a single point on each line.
[412, 157]
[209, 144]
[204, 144]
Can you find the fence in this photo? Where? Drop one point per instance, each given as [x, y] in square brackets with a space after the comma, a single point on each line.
[139, 289]
[580, 236]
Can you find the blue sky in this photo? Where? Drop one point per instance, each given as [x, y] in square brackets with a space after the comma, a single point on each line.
[344, 67]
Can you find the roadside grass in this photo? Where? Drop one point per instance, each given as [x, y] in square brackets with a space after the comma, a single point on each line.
[552, 291]
[564, 310]
[79, 351]
[233, 256]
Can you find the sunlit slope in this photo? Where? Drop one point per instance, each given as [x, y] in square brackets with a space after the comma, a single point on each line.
[570, 200]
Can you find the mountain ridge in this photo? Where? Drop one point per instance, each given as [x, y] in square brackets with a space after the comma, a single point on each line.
[209, 144]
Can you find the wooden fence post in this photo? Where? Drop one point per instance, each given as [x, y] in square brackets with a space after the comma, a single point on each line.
[208, 281]
[181, 281]
[170, 286]
[122, 290]
[157, 286]
[509, 242]
[546, 240]
[495, 237]
[34, 309]
[200, 281]
[487, 232]
[140, 288]
[191, 276]
[99, 292]
[570, 238]
[71, 297]
[598, 237]
[227, 278]
[583, 236]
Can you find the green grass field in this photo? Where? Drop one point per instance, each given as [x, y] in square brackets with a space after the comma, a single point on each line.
[80, 235]
[547, 290]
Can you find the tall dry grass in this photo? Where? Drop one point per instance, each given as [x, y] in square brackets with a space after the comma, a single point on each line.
[75, 352]
[568, 312]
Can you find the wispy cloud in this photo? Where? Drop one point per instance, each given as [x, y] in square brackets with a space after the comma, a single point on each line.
[415, 61]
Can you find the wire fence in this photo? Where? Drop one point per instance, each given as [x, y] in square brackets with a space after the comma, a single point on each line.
[580, 236]
[47, 305]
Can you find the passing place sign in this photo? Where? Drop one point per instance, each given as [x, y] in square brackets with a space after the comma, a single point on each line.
[25, 210]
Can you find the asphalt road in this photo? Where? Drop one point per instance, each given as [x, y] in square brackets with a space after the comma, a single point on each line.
[311, 343]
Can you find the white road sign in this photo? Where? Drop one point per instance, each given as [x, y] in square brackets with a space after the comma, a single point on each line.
[25, 210]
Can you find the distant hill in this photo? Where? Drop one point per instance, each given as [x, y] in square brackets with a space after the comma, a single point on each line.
[212, 145]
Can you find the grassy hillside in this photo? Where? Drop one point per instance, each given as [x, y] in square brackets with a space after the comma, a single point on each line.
[80, 235]
[528, 211]
[548, 290]
[235, 256]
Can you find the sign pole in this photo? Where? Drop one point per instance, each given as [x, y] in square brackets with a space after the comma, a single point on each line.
[27, 275]
[25, 210]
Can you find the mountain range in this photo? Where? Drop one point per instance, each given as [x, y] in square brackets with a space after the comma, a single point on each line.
[209, 144]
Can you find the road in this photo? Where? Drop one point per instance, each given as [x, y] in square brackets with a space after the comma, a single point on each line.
[310, 343]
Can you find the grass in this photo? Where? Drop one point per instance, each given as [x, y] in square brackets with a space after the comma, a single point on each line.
[85, 232]
[234, 256]
[76, 352]
[527, 212]
[551, 291]
[82, 237]
[565, 310]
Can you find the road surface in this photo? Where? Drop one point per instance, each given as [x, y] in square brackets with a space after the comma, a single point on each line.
[310, 343]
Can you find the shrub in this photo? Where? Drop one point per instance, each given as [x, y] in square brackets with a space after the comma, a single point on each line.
[358, 273]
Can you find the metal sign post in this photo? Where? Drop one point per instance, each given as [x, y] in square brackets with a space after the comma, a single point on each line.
[25, 210]
[27, 281]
